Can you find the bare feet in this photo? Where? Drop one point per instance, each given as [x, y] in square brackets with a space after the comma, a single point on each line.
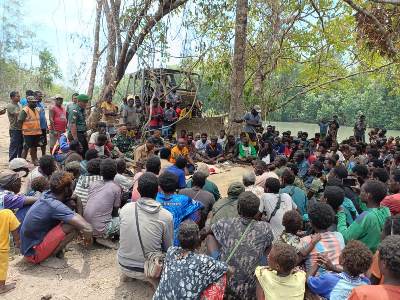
[107, 243]
[7, 287]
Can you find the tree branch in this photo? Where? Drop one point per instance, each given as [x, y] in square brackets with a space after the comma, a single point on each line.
[394, 2]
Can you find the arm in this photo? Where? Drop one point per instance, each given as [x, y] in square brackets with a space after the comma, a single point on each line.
[80, 223]
[51, 118]
[315, 238]
[260, 292]
[353, 232]
[30, 200]
[21, 118]
[16, 238]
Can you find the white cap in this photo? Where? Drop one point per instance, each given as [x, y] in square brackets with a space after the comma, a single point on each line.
[19, 162]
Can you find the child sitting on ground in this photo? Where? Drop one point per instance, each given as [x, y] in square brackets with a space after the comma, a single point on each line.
[101, 146]
[356, 259]
[124, 182]
[280, 280]
[8, 223]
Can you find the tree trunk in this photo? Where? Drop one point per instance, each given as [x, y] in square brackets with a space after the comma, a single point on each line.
[96, 53]
[111, 48]
[236, 110]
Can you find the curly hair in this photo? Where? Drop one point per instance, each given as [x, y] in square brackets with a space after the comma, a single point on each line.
[40, 184]
[59, 181]
[168, 182]
[285, 256]
[356, 258]
[248, 204]
[108, 169]
[292, 221]
[188, 236]
[321, 215]
[93, 166]
[389, 252]
[334, 196]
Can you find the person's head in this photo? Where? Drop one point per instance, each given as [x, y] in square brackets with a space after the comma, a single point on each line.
[235, 189]
[91, 154]
[108, 97]
[181, 162]
[168, 182]
[155, 102]
[222, 133]
[361, 171]
[15, 97]
[259, 167]
[373, 192]
[189, 138]
[75, 146]
[123, 130]
[249, 178]
[101, 127]
[292, 221]
[183, 133]
[93, 166]
[256, 110]
[153, 165]
[394, 182]
[101, 140]
[82, 100]
[213, 141]
[40, 184]
[189, 236]
[10, 181]
[321, 216]
[389, 257]
[47, 164]
[32, 102]
[199, 179]
[355, 258]
[150, 144]
[334, 196]
[248, 205]
[380, 174]
[121, 165]
[288, 177]
[204, 137]
[19, 165]
[148, 185]
[165, 153]
[245, 141]
[272, 185]
[316, 168]
[138, 103]
[231, 140]
[391, 226]
[299, 156]
[39, 96]
[157, 133]
[340, 172]
[108, 169]
[282, 258]
[58, 100]
[73, 167]
[131, 101]
[29, 93]
[61, 185]
[203, 168]
[74, 97]
[181, 143]
[335, 117]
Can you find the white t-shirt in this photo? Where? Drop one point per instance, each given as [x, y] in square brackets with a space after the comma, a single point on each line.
[200, 146]
[267, 205]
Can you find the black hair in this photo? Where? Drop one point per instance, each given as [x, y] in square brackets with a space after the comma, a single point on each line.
[47, 164]
[168, 182]
[148, 185]
[153, 165]
[101, 124]
[199, 179]
[101, 139]
[334, 196]
[91, 154]
[188, 236]
[108, 169]
[377, 189]
[356, 258]
[40, 184]
[374, 153]
[74, 146]
[294, 168]
[321, 215]
[248, 204]
[292, 221]
[285, 256]
[13, 94]
[121, 165]
[319, 166]
[288, 177]
[29, 93]
[75, 95]
[93, 166]
[273, 185]
[59, 181]
[380, 174]
[392, 225]
[361, 170]
[340, 172]
[333, 181]
[181, 162]
[389, 254]
[165, 153]
[396, 175]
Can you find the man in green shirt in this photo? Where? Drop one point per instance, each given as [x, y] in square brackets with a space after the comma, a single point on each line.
[368, 226]
[247, 152]
[77, 122]
[16, 138]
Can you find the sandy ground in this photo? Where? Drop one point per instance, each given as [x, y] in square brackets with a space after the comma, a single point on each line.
[89, 274]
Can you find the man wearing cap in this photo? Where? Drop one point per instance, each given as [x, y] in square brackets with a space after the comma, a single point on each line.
[77, 122]
[10, 186]
[29, 121]
[16, 138]
[252, 121]
[110, 113]
[58, 120]
[43, 121]
[129, 115]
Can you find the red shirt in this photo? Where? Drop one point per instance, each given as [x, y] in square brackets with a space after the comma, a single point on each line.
[59, 118]
[156, 113]
[393, 203]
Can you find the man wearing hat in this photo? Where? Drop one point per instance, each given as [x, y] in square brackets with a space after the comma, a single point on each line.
[252, 121]
[29, 121]
[77, 122]
[58, 120]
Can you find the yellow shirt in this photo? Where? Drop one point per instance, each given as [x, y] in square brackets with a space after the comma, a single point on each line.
[185, 114]
[276, 287]
[109, 107]
[175, 152]
[8, 223]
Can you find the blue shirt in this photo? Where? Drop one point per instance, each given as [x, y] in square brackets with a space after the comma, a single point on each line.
[335, 286]
[42, 115]
[181, 207]
[213, 152]
[323, 127]
[23, 102]
[44, 215]
[254, 118]
[299, 197]
[303, 168]
[181, 175]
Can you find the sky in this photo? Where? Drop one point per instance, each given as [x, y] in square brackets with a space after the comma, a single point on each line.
[60, 25]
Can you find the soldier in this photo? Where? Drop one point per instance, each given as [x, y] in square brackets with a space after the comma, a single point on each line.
[77, 122]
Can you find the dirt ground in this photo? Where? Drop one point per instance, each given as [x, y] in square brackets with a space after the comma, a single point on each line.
[88, 274]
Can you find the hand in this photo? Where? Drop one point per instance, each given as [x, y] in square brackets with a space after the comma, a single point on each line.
[325, 263]
[315, 238]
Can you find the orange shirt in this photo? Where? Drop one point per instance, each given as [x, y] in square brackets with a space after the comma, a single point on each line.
[375, 292]
[374, 269]
[175, 152]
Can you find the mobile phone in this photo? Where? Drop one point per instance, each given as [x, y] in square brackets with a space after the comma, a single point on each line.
[349, 181]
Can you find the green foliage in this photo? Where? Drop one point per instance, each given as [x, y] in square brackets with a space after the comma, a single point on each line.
[48, 69]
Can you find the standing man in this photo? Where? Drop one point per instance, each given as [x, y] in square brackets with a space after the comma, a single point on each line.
[16, 138]
[129, 115]
[24, 101]
[156, 116]
[58, 120]
[359, 129]
[323, 127]
[169, 119]
[110, 112]
[334, 127]
[29, 121]
[252, 121]
[77, 122]
[74, 99]
[43, 122]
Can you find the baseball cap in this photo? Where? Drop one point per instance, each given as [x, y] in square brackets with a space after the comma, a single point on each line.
[83, 98]
[58, 96]
[8, 176]
[18, 163]
[257, 108]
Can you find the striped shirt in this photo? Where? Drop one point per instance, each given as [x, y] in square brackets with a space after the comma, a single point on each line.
[82, 187]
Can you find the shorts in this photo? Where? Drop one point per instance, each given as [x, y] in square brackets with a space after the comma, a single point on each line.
[46, 248]
[32, 141]
[112, 228]
[3, 265]
[43, 138]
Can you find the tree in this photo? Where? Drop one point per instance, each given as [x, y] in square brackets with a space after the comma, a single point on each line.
[48, 69]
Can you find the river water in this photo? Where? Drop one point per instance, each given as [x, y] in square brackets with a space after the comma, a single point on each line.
[344, 131]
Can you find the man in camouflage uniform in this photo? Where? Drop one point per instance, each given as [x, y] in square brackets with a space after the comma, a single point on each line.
[77, 122]
[123, 143]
